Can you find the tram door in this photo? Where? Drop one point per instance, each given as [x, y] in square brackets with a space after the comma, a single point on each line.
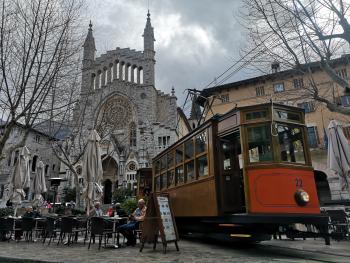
[232, 196]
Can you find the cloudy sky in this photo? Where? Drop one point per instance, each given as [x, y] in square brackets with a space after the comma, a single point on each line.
[195, 40]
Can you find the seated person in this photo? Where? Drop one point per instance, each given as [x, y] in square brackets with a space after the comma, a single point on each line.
[30, 212]
[111, 211]
[96, 211]
[120, 211]
[137, 217]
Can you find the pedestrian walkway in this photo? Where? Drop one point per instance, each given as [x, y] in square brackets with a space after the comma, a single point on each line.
[192, 251]
[340, 248]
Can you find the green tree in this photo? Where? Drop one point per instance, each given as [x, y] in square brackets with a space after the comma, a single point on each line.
[122, 194]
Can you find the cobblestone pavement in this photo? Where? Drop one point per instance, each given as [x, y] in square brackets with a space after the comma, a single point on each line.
[192, 251]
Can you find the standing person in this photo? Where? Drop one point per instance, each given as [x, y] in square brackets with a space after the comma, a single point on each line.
[96, 211]
[135, 219]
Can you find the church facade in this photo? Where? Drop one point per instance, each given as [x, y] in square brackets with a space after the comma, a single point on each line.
[119, 99]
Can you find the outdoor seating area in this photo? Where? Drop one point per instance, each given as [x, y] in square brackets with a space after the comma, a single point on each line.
[62, 230]
[339, 223]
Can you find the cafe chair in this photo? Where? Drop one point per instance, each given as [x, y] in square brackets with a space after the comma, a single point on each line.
[7, 228]
[28, 225]
[339, 224]
[67, 228]
[51, 229]
[100, 229]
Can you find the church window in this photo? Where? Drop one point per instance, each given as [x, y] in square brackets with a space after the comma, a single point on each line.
[123, 71]
[129, 73]
[132, 134]
[132, 166]
[105, 80]
[93, 80]
[35, 158]
[141, 76]
[135, 74]
[117, 65]
[112, 72]
[143, 96]
[99, 80]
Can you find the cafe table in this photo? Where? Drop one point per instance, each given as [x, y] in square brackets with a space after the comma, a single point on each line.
[116, 222]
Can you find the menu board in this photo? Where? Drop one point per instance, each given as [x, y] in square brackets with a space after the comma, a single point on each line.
[166, 217]
[159, 222]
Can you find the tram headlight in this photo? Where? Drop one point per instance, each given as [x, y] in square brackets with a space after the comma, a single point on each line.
[301, 197]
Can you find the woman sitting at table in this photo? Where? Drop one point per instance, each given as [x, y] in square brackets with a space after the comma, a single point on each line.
[135, 219]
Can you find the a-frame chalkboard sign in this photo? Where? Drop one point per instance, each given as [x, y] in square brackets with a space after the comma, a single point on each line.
[159, 222]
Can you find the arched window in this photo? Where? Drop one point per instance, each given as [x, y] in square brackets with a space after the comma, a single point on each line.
[111, 72]
[123, 71]
[93, 81]
[116, 69]
[135, 74]
[129, 73]
[99, 79]
[46, 169]
[132, 134]
[105, 77]
[35, 158]
[141, 76]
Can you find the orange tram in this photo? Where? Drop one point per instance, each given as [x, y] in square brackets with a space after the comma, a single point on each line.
[246, 174]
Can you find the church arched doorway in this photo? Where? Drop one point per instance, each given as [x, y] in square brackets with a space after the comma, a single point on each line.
[110, 174]
[107, 192]
[322, 186]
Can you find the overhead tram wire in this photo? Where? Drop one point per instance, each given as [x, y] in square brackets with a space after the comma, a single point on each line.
[229, 76]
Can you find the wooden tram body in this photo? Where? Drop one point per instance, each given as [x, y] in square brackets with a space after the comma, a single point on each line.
[244, 173]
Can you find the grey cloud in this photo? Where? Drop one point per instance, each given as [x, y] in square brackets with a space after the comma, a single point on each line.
[201, 39]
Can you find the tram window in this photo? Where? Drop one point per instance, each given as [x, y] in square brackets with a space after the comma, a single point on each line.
[171, 178]
[286, 115]
[188, 150]
[291, 144]
[163, 181]
[202, 164]
[179, 175]
[256, 115]
[189, 171]
[201, 143]
[259, 143]
[170, 157]
[157, 183]
[179, 155]
[226, 151]
[163, 163]
[157, 167]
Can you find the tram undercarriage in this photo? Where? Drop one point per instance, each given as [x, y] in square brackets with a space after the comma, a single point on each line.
[260, 227]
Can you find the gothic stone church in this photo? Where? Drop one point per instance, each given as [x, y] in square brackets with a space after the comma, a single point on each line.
[119, 99]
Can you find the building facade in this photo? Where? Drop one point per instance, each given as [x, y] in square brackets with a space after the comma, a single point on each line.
[119, 99]
[290, 87]
[39, 145]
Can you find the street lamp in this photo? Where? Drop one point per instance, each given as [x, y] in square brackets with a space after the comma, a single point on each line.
[55, 182]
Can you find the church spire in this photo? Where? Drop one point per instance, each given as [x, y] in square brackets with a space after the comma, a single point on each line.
[148, 35]
[148, 52]
[89, 48]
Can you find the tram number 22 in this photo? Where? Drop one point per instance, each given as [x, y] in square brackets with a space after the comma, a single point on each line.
[298, 182]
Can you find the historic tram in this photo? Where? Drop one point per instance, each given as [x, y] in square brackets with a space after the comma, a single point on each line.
[246, 174]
